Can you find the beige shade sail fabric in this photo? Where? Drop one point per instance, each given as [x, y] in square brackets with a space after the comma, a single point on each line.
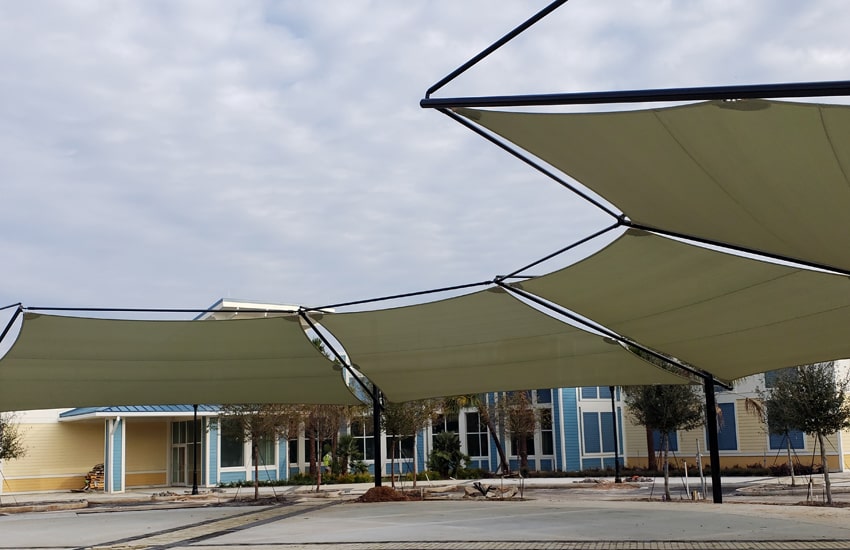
[729, 315]
[769, 176]
[59, 362]
[481, 342]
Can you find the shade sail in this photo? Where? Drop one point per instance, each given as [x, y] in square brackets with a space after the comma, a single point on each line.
[75, 362]
[766, 175]
[486, 341]
[729, 315]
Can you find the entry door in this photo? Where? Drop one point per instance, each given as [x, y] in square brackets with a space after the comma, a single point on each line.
[179, 473]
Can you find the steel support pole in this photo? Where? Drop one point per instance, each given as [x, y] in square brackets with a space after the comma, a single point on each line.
[195, 451]
[617, 478]
[711, 428]
[376, 433]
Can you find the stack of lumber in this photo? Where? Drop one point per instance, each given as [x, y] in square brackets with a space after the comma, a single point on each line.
[94, 479]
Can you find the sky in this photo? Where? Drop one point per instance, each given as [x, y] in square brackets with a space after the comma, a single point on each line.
[165, 154]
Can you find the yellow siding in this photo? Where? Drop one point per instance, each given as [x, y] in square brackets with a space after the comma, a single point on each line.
[58, 449]
[43, 484]
[146, 479]
[146, 446]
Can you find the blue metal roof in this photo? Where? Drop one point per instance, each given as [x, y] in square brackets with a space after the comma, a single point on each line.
[139, 410]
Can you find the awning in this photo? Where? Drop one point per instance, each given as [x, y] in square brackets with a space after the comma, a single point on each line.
[481, 342]
[84, 362]
[729, 315]
[766, 175]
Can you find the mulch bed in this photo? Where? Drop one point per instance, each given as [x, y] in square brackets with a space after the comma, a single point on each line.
[385, 494]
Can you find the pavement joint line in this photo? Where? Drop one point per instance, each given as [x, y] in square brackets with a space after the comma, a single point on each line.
[190, 534]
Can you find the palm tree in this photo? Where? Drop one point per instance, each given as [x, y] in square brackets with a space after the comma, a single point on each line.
[478, 401]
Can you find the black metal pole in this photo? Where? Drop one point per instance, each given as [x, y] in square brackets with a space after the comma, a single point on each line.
[195, 451]
[704, 93]
[713, 450]
[617, 478]
[376, 434]
[496, 45]
[10, 323]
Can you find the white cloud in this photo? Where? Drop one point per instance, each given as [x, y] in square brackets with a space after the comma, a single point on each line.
[166, 154]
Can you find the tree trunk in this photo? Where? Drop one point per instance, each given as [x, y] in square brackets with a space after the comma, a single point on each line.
[320, 465]
[392, 462]
[491, 427]
[825, 465]
[651, 463]
[790, 462]
[255, 455]
[665, 444]
[312, 446]
[522, 443]
[415, 460]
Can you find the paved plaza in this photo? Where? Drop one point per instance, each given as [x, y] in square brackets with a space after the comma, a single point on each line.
[552, 516]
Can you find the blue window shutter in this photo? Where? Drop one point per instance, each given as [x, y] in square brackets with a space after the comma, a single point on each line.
[727, 436]
[606, 420]
[591, 432]
[778, 441]
[673, 437]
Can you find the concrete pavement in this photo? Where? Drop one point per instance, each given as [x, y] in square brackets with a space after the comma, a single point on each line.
[557, 513]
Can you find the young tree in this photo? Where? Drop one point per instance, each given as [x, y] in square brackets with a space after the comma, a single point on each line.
[11, 438]
[478, 401]
[404, 419]
[521, 421]
[665, 409]
[321, 423]
[811, 399]
[257, 422]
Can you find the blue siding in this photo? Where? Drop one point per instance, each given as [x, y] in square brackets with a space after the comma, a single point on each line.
[117, 470]
[212, 441]
[592, 463]
[571, 433]
[230, 477]
[547, 465]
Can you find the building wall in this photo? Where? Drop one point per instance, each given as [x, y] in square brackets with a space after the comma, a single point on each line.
[59, 454]
[146, 453]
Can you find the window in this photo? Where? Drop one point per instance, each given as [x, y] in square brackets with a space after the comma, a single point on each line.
[771, 376]
[727, 436]
[292, 444]
[443, 423]
[232, 444]
[476, 435]
[363, 433]
[544, 396]
[547, 441]
[596, 392]
[781, 441]
[598, 432]
[672, 437]
[265, 450]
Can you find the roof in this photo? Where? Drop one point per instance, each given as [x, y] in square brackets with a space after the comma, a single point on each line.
[140, 410]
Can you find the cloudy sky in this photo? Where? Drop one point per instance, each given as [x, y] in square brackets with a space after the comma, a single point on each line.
[170, 153]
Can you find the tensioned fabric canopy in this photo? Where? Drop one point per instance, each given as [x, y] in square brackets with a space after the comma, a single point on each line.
[480, 342]
[73, 362]
[729, 315]
[770, 176]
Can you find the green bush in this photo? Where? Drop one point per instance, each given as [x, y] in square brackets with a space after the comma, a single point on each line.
[446, 457]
